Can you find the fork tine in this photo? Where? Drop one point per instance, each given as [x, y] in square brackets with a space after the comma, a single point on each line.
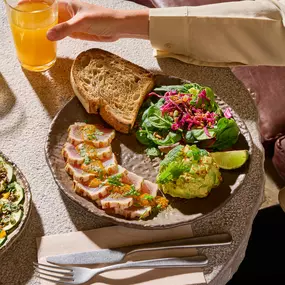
[54, 271]
[68, 278]
[51, 266]
[55, 281]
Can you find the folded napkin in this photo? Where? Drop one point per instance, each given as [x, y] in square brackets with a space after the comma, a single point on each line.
[117, 236]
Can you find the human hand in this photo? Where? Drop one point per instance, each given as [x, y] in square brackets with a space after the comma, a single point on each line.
[85, 21]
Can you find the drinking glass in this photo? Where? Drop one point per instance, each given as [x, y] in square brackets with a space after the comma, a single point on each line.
[30, 20]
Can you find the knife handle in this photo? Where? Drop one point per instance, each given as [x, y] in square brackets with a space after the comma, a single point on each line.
[194, 242]
[192, 261]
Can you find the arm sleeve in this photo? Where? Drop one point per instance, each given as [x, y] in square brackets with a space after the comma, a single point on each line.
[224, 34]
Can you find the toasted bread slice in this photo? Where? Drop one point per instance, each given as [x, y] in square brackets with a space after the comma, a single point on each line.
[111, 86]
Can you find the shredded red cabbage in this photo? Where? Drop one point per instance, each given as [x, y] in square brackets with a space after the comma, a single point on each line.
[184, 114]
[228, 113]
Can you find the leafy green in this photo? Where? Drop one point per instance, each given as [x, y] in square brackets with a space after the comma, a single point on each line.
[142, 137]
[152, 118]
[197, 101]
[174, 163]
[172, 171]
[189, 137]
[153, 152]
[176, 154]
[200, 135]
[227, 133]
[195, 153]
[170, 139]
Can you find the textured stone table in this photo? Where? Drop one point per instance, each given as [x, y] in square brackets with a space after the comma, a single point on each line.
[28, 102]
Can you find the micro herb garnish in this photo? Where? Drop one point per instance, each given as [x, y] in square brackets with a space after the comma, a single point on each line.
[142, 216]
[158, 206]
[94, 135]
[82, 151]
[115, 180]
[148, 197]
[87, 159]
[132, 192]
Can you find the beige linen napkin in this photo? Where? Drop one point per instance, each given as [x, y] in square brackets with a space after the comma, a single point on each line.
[117, 236]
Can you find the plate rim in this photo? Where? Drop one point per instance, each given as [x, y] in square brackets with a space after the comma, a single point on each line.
[27, 208]
[137, 225]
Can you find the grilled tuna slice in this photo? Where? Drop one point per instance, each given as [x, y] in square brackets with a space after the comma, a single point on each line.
[78, 174]
[133, 212]
[117, 202]
[149, 188]
[96, 134]
[94, 193]
[90, 171]
[111, 165]
[72, 155]
[132, 179]
[86, 149]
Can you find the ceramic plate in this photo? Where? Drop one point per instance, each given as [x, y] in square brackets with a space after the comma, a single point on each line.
[130, 154]
[20, 178]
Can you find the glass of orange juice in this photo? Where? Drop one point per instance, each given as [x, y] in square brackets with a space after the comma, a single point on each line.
[30, 20]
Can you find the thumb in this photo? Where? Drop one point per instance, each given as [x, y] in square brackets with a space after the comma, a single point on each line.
[62, 30]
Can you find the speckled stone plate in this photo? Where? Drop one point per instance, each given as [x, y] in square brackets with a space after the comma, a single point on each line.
[20, 178]
[130, 154]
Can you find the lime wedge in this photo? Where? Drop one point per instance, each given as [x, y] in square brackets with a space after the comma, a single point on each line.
[230, 159]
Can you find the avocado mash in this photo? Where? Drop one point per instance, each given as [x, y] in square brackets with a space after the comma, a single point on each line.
[188, 172]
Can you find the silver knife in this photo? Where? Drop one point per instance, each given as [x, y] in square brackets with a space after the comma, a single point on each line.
[118, 254]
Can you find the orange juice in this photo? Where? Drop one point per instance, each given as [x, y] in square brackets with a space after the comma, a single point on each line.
[30, 22]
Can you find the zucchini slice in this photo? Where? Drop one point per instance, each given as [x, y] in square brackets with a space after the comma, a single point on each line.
[17, 216]
[2, 241]
[19, 193]
[10, 172]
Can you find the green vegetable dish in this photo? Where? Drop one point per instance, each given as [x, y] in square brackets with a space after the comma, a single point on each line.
[188, 172]
[11, 201]
[186, 114]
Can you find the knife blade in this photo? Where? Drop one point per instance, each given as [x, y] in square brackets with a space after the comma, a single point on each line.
[118, 254]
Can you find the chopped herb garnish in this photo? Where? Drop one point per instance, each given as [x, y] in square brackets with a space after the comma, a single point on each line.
[82, 151]
[137, 205]
[91, 137]
[148, 197]
[158, 206]
[115, 180]
[94, 135]
[132, 192]
[87, 159]
[101, 174]
[98, 133]
[143, 215]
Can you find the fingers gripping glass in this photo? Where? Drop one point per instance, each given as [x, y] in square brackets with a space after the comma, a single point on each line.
[30, 20]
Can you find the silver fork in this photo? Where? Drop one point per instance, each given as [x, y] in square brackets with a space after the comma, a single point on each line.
[80, 275]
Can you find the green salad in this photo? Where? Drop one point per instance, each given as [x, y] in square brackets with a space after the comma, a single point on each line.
[186, 114]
